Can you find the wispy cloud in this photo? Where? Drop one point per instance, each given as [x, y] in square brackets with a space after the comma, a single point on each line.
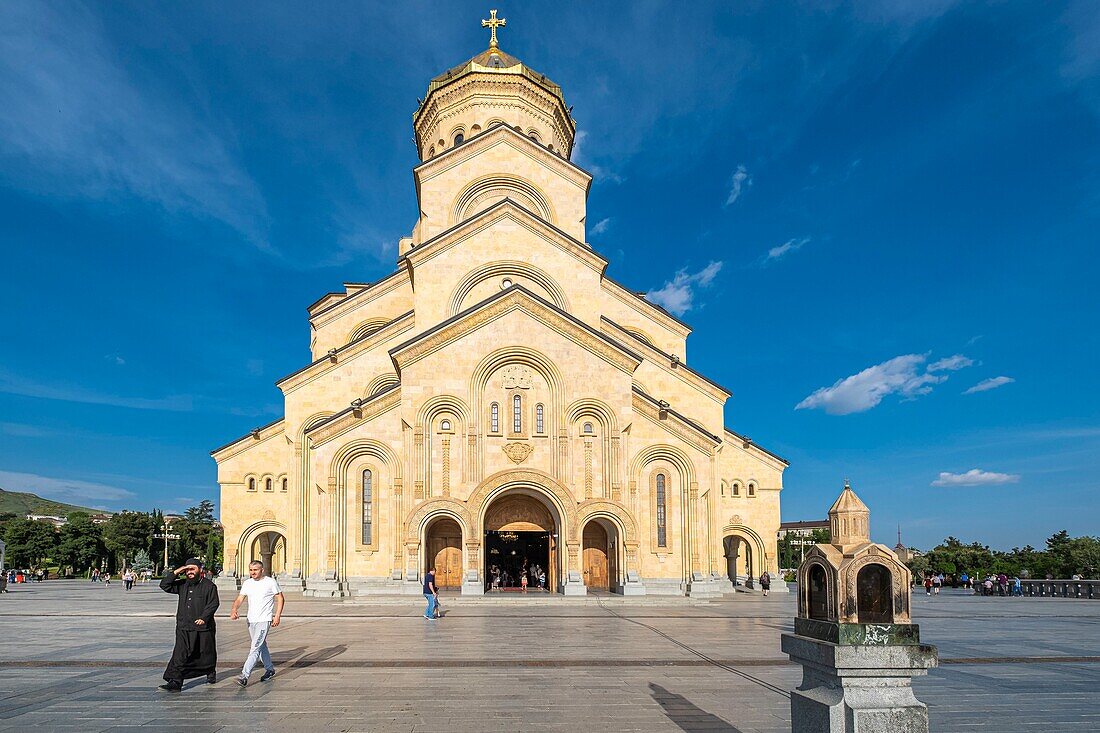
[905, 375]
[70, 491]
[76, 123]
[12, 384]
[678, 295]
[115, 359]
[21, 430]
[599, 172]
[601, 226]
[987, 384]
[975, 477]
[791, 245]
[740, 181]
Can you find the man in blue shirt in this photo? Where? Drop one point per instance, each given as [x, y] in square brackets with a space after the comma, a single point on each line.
[431, 593]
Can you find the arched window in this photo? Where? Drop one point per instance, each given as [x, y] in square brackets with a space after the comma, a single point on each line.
[494, 418]
[587, 428]
[736, 490]
[540, 421]
[368, 506]
[874, 595]
[267, 485]
[284, 484]
[517, 414]
[459, 139]
[752, 489]
[533, 135]
[431, 152]
[251, 484]
[662, 530]
[445, 425]
[818, 592]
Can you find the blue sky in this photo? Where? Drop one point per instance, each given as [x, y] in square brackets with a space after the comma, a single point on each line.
[880, 220]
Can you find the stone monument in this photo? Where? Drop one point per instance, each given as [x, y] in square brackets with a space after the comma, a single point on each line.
[853, 636]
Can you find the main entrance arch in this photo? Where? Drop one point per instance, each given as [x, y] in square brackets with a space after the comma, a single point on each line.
[521, 542]
[444, 552]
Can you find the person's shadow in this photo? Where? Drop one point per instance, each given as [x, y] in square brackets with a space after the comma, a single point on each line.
[686, 715]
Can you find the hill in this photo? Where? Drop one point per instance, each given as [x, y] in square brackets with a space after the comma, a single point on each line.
[21, 503]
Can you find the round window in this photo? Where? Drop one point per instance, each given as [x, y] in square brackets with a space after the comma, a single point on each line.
[506, 283]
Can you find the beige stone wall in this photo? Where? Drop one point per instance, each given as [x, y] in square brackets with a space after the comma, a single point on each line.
[421, 424]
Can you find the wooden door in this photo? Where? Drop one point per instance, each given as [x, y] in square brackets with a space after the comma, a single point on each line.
[595, 556]
[445, 551]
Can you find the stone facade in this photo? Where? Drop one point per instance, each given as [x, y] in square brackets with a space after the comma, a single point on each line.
[498, 361]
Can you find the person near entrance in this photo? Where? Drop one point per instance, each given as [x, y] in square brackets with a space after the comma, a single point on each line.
[431, 593]
[265, 611]
[765, 582]
[196, 650]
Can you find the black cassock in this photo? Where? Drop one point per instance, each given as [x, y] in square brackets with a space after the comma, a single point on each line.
[196, 652]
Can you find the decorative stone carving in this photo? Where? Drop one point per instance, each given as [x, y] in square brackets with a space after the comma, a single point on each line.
[519, 514]
[735, 519]
[516, 376]
[518, 452]
[268, 515]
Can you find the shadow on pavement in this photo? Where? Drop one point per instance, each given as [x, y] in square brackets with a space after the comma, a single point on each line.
[686, 715]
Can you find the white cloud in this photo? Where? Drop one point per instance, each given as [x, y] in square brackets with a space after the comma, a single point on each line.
[677, 296]
[791, 245]
[11, 384]
[987, 384]
[76, 123]
[975, 477]
[70, 491]
[741, 180]
[115, 359]
[902, 375]
[601, 226]
[598, 172]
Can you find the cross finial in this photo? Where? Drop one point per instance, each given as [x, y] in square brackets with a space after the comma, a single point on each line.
[492, 24]
[847, 485]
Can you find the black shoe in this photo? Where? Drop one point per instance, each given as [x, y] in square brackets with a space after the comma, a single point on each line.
[172, 686]
[267, 675]
[211, 678]
[242, 681]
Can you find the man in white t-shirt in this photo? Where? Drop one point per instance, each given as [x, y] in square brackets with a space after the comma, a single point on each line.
[265, 610]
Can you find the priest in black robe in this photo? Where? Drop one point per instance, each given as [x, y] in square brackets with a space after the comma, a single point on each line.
[195, 653]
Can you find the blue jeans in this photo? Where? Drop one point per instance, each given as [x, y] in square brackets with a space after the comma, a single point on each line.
[258, 651]
[429, 612]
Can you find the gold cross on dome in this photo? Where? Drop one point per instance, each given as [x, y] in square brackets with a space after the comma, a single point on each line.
[492, 24]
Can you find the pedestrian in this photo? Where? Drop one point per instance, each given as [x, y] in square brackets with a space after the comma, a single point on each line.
[106, 579]
[430, 593]
[928, 585]
[128, 579]
[196, 652]
[265, 611]
[95, 575]
[523, 582]
[937, 583]
[1017, 586]
[765, 582]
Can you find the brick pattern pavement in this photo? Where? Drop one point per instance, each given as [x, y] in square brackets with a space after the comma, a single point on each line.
[77, 656]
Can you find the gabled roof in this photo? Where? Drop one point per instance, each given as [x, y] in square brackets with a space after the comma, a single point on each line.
[711, 387]
[747, 443]
[513, 298]
[259, 434]
[505, 208]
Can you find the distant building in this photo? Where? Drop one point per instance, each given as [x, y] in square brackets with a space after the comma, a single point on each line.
[54, 520]
[802, 529]
[100, 518]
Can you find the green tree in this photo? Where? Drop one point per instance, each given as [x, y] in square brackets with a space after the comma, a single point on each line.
[199, 535]
[203, 513]
[80, 543]
[142, 561]
[125, 534]
[29, 541]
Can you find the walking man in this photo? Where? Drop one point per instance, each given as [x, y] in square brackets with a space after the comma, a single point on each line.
[430, 593]
[196, 651]
[265, 610]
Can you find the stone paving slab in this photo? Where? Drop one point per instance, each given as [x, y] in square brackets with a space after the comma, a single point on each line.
[76, 656]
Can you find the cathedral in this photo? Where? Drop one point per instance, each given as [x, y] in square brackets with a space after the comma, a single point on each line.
[498, 408]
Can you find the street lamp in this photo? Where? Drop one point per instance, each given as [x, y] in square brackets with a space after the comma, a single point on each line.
[166, 536]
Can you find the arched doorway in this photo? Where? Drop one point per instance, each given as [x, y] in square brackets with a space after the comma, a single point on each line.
[270, 549]
[739, 560]
[444, 551]
[600, 555]
[520, 542]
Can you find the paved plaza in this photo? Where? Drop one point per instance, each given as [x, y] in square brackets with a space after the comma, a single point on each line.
[78, 656]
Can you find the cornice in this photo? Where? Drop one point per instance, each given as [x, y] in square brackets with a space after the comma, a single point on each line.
[339, 356]
[494, 135]
[361, 296]
[506, 208]
[687, 430]
[352, 417]
[644, 307]
[249, 441]
[748, 445]
[670, 364]
[514, 298]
